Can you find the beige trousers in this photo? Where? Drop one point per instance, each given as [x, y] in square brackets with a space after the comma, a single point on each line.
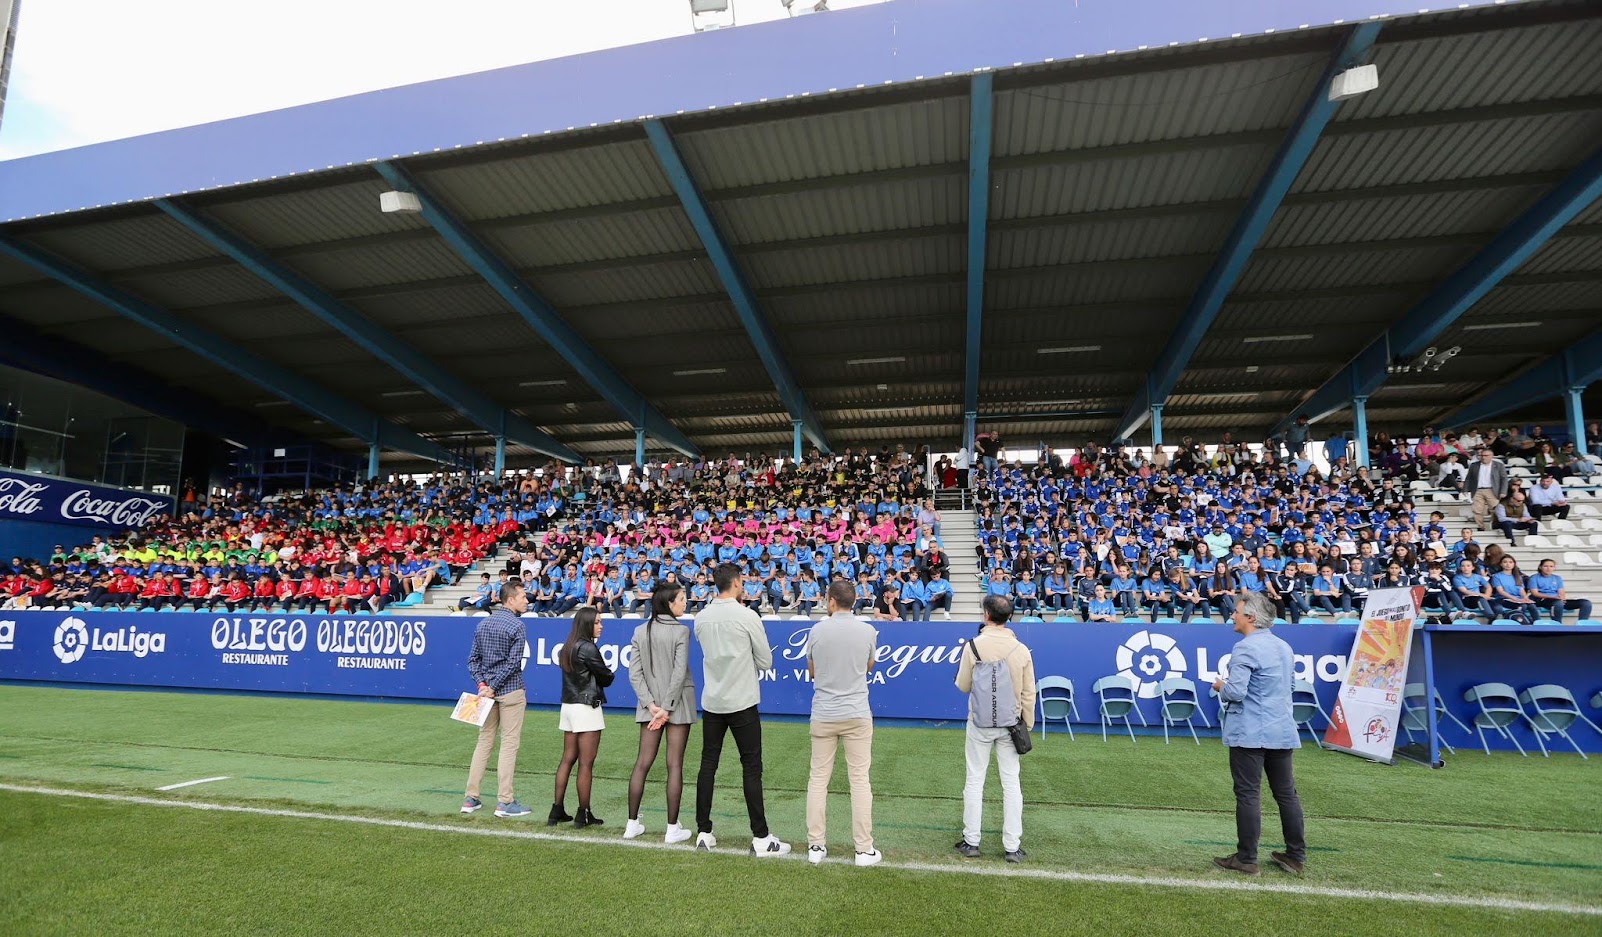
[857, 737]
[507, 716]
[1484, 505]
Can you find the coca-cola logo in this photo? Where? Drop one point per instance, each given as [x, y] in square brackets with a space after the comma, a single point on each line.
[82, 505]
[20, 497]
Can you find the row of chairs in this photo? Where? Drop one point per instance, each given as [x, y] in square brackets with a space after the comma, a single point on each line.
[1116, 700]
[1551, 710]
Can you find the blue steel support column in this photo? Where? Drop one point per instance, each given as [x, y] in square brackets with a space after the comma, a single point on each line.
[413, 364]
[1293, 154]
[740, 293]
[373, 452]
[500, 456]
[1507, 252]
[1156, 427]
[1579, 365]
[639, 448]
[981, 128]
[538, 313]
[796, 425]
[282, 383]
[1574, 408]
[1360, 430]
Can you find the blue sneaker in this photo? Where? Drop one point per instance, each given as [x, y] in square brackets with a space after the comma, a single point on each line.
[513, 809]
[471, 805]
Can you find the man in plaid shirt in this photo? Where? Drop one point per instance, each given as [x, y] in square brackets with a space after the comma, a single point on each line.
[496, 663]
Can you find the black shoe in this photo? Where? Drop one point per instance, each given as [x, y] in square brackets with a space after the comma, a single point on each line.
[1017, 855]
[558, 815]
[585, 818]
[967, 850]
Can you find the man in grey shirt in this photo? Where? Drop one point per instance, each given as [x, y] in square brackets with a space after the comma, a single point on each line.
[840, 653]
[734, 649]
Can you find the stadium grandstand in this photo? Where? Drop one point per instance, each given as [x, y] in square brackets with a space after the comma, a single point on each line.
[1118, 317]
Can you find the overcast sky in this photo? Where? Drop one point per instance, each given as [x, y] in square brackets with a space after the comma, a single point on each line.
[92, 70]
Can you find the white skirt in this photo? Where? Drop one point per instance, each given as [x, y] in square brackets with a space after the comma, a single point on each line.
[577, 717]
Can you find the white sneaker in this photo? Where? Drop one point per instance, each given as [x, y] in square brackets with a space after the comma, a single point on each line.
[768, 847]
[816, 854]
[706, 842]
[676, 834]
[633, 829]
[946, 612]
[872, 857]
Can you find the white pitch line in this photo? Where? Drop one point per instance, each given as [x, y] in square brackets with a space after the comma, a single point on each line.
[174, 787]
[997, 871]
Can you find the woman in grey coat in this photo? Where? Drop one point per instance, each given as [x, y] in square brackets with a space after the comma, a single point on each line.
[660, 675]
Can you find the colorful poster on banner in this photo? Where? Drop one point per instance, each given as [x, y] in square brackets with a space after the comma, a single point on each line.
[473, 709]
[1368, 710]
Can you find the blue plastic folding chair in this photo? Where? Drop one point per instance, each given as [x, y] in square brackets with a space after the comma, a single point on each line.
[1180, 705]
[1304, 706]
[1033, 619]
[1499, 710]
[1415, 715]
[1553, 710]
[1055, 697]
[1115, 697]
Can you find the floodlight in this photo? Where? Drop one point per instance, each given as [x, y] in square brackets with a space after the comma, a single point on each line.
[1353, 82]
[402, 202]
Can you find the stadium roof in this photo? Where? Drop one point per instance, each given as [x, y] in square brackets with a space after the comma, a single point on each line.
[724, 236]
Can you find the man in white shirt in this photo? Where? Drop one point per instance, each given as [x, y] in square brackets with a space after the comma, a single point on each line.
[1547, 500]
[734, 649]
[840, 652]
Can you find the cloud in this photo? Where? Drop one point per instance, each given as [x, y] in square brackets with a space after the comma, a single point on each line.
[92, 70]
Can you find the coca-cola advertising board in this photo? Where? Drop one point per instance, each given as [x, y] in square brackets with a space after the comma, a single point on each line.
[48, 500]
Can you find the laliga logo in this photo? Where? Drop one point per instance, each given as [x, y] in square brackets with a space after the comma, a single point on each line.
[1150, 653]
[130, 512]
[72, 639]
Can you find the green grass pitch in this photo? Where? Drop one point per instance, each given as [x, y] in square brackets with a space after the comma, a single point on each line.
[1515, 844]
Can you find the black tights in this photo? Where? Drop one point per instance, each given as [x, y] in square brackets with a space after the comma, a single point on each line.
[650, 742]
[580, 747]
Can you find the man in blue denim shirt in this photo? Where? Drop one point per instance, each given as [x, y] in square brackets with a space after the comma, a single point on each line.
[1261, 734]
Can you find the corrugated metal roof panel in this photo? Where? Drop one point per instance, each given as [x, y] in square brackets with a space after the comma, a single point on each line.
[1278, 317]
[1453, 151]
[1015, 387]
[204, 287]
[916, 133]
[1088, 241]
[627, 284]
[1518, 301]
[880, 260]
[1398, 217]
[1194, 175]
[1085, 284]
[1159, 105]
[461, 306]
[1072, 328]
[1566, 254]
[549, 181]
[839, 210]
[1430, 75]
[307, 216]
[798, 310]
[1352, 269]
[388, 264]
[603, 237]
[121, 243]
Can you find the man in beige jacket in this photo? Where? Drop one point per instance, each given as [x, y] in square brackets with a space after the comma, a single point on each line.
[996, 642]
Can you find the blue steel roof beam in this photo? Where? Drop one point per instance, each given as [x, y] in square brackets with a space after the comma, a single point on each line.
[539, 314]
[446, 387]
[1579, 365]
[734, 282]
[1409, 338]
[327, 406]
[1226, 271]
[981, 129]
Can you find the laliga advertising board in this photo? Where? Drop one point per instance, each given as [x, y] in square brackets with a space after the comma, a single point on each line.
[1367, 713]
[425, 657]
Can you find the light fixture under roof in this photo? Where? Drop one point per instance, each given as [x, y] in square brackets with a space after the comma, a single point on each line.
[1291, 337]
[1066, 349]
[1492, 326]
[273, 403]
[555, 382]
[403, 393]
[691, 372]
[889, 359]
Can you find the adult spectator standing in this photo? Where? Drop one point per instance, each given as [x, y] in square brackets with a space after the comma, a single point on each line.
[1296, 437]
[496, 665]
[988, 446]
[660, 675]
[1547, 500]
[585, 678]
[1487, 479]
[734, 649]
[840, 651]
[1335, 449]
[996, 642]
[1260, 734]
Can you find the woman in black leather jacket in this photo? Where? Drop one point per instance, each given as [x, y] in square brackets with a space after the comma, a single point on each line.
[585, 678]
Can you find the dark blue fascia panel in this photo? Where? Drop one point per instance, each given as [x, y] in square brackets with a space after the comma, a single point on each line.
[1579, 365]
[315, 400]
[981, 129]
[734, 283]
[1506, 253]
[28, 349]
[539, 314]
[446, 387]
[1293, 154]
[902, 42]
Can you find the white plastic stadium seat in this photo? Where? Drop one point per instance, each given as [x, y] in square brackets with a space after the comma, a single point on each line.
[1539, 542]
[1575, 558]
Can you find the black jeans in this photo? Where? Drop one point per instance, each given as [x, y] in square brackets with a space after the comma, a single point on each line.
[746, 725]
[1246, 767]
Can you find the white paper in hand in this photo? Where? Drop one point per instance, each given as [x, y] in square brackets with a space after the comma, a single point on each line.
[473, 709]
